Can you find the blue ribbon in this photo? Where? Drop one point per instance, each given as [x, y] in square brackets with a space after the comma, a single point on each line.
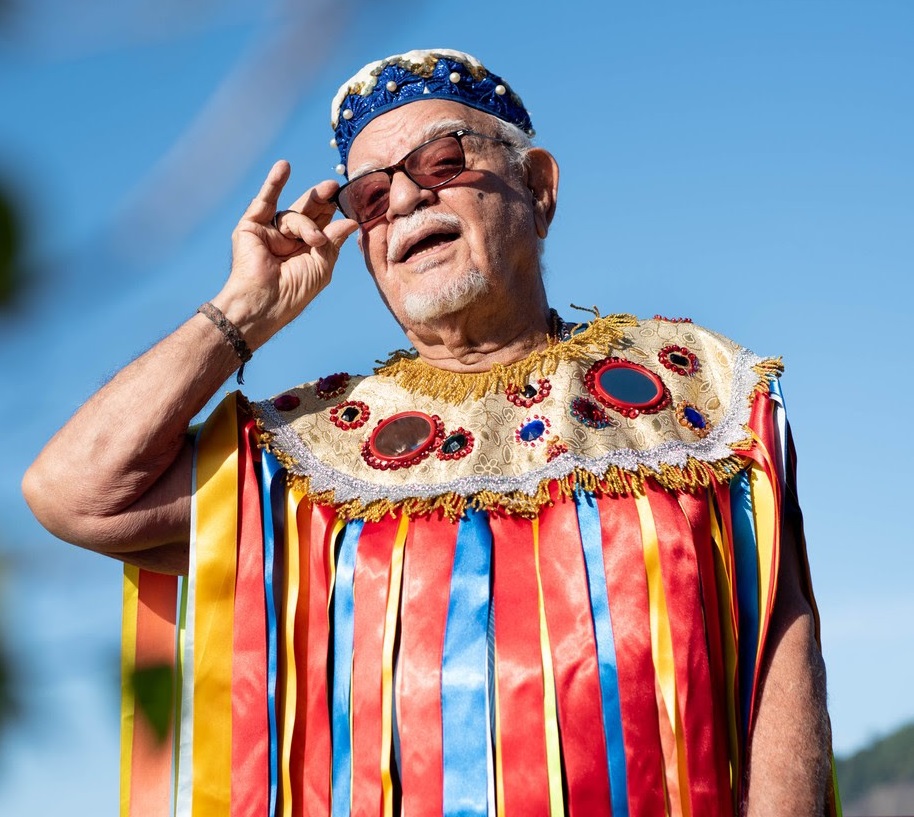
[745, 553]
[343, 635]
[592, 541]
[463, 676]
[272, 491]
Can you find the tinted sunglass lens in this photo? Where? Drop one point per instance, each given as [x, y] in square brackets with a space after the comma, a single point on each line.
[430, 165]
[366, 198]
[436, 163]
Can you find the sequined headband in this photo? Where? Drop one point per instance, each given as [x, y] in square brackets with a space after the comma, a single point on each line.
[439, 74]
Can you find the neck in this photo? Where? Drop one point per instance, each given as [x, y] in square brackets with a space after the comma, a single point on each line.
[479, 337]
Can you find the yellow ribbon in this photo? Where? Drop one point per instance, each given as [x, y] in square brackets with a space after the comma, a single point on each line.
[662, 640]
[291, 590]
[553, 751]
[128, 666]
[723, 578]
[767, 520]
[390, 631]
[216, 500]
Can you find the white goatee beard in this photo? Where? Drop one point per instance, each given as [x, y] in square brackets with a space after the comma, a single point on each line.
[457, 293]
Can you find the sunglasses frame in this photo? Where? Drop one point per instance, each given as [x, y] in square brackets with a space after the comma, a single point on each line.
[401, 167]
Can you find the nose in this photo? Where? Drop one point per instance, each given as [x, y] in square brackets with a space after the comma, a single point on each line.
[406, 196]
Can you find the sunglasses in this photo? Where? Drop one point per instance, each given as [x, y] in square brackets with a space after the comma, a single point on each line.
[432, 164]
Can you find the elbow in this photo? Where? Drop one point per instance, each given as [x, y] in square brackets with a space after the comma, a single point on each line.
[53, 501]
[48, 502]
[37, 493]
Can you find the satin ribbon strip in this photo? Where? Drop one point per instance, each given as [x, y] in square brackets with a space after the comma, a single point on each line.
[217, 535]
[371, 589]
[567, 596]
[344, 625]
[294, 586]
[184, 755]
[592, 544]
[130, 603]
[391, 618]
[664, 660]
[747, 588]
[427, 570]
[702, 763]
[465, 728]
[627, 590]
[150, 606]
[699, 510]
[318, 747]
[250, 736]
[553, 751]
[767, 520]
[271, 498]
[722, 554]
[180, 672]
[521, 722]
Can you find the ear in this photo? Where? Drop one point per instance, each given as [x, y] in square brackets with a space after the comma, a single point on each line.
[543, 181]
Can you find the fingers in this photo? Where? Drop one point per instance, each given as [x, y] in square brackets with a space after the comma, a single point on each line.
[309, 219]
[296, 225]
[263, 206]
[317, 198]
[292, 224]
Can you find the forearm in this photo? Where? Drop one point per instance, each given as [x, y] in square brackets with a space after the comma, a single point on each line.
[116, 477]
[101, 476]
[789, 754]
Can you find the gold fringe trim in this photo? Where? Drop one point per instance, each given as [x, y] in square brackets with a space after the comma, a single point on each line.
[694, 476]
[417, 376]
[768, 370]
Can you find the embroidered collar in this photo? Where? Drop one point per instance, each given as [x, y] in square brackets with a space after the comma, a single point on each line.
[617, 403]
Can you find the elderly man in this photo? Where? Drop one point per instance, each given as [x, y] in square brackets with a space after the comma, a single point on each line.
[534, 567]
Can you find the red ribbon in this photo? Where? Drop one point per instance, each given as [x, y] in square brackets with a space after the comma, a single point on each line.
[372, 579]
[250, 770]
[521, 717]
[317, 746]
[702, 724]
[574, 654]
[628, 603]
[428, 564]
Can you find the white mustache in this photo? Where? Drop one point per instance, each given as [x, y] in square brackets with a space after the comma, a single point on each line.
[405, 228]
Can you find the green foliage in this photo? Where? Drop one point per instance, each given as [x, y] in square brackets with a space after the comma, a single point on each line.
[9, 703]
[154, 691]
[10, 250]
[888, 760]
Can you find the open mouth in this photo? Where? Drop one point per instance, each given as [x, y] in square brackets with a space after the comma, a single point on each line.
[427, 244]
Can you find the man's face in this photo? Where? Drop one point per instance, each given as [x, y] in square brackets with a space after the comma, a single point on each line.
[468, 243]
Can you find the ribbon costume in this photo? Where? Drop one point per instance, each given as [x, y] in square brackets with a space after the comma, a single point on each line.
[540, 590]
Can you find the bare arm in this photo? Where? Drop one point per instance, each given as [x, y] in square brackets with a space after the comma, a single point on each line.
[116, 478]
[789, 752]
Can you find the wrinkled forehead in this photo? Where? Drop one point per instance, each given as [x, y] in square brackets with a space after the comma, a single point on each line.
[389, 137]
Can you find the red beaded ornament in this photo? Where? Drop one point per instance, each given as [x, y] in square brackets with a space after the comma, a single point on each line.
[350, 414]
[529, 394]
[679, 359]
[333, 385]
[456, 445]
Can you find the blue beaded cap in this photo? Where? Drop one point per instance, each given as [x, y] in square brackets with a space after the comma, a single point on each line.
[403, 78]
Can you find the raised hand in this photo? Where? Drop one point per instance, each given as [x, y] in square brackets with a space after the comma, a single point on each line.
[281, 260]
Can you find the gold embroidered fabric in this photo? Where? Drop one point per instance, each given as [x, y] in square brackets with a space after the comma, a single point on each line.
[692, 439]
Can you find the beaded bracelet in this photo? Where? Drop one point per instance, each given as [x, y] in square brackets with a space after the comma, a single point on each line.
[232, 335]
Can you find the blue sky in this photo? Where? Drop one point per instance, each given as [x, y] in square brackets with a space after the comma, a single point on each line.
[746, 165]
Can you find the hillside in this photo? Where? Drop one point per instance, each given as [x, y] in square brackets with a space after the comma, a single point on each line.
[878, 781]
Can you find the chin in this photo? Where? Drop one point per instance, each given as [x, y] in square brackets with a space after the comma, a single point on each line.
[456, 294]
